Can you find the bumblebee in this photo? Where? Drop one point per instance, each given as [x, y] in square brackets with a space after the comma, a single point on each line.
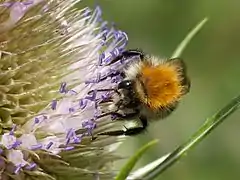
[150, 90]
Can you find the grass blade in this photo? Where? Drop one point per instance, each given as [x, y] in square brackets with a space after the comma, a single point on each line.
[209, 125]
[125, 171]
[181, 47]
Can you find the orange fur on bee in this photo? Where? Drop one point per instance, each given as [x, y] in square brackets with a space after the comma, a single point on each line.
[162, 85]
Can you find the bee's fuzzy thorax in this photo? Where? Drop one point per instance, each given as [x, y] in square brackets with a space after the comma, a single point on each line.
[160, 83]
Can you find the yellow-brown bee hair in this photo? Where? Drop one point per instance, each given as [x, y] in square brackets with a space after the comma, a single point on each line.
[163, 84]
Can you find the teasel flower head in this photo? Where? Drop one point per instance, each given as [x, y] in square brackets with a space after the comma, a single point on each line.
[53, 59]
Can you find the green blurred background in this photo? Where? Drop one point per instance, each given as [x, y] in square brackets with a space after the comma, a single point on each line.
[213, 60]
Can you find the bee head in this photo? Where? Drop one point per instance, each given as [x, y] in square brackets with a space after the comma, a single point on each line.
[126, 84]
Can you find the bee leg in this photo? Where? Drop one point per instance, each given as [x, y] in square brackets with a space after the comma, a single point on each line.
[101, 90]
[105, 90]
[129, 131]
[132, 52]
[128, 54]
[119, 116]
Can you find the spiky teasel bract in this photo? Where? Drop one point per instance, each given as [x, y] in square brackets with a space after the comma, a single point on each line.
[52, 56]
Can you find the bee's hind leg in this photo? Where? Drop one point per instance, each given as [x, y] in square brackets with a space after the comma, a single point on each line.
[129, 131]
